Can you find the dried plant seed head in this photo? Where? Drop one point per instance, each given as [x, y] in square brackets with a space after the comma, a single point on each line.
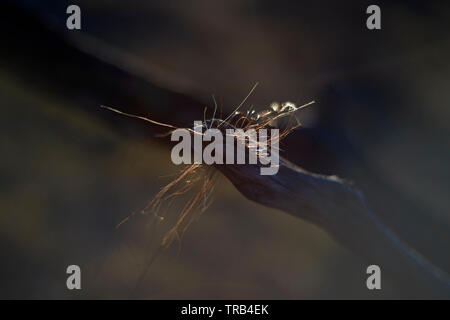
[199, 179]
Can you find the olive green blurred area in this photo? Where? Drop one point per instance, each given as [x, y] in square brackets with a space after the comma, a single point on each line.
[70, 174]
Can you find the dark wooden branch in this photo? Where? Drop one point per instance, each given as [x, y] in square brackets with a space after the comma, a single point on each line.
[57, 64]
[340, 209]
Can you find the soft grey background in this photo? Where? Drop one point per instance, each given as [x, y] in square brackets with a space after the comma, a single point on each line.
[380, 120]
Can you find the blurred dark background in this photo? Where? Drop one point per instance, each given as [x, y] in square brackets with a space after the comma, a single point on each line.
[71, 171]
